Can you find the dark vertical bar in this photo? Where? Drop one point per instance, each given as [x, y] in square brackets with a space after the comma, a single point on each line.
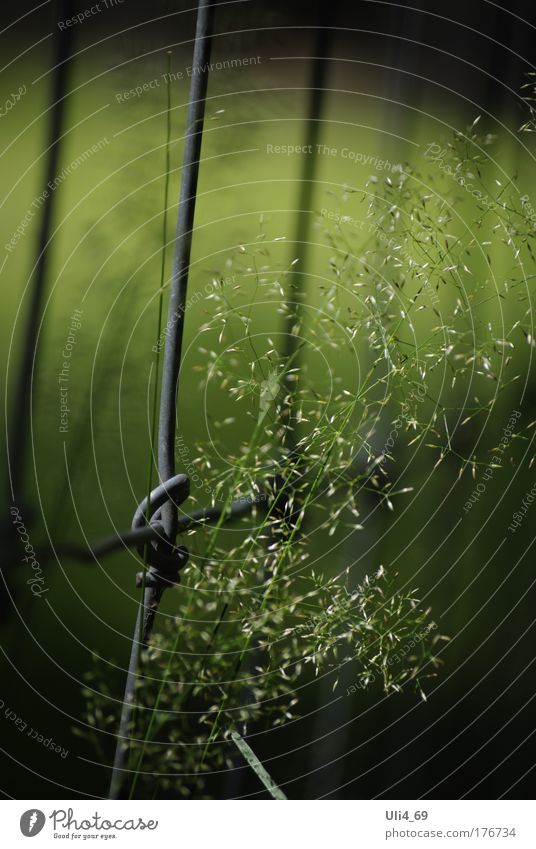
[172, 356]
[317, 96]
[21, 411]
[324, 15]
[181, 259]
[18, 426]
[123, 733]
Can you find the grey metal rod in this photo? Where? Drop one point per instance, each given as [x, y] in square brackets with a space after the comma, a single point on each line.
[137, 537]
[168, 513]
[181, 259]
[123, 733]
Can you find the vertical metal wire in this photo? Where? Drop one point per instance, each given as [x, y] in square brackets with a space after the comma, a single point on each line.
[172, 358]
[18, 428]
[181, 260]
[123, 732]
[21, 410]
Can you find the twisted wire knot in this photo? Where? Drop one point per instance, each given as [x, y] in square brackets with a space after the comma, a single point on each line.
[165, 559]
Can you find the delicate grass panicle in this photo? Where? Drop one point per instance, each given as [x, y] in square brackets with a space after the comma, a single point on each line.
[405, 304]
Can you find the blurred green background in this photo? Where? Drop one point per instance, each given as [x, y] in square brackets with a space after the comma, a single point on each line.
[474, 733]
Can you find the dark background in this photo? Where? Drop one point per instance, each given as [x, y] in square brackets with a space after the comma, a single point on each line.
[474, 736]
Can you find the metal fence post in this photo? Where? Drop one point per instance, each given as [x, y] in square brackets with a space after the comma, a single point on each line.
[171, 559]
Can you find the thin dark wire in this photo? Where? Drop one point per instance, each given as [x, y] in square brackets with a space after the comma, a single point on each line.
[179, 287]
[21, 411]
[152, 594]
[123, 732]
[154, 532]
[181, 259]
[18, 428]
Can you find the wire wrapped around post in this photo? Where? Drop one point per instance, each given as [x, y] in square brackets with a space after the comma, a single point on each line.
[165, 559]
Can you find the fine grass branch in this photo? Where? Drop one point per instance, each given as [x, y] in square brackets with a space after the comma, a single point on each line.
[407, 305]
[249, 755]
